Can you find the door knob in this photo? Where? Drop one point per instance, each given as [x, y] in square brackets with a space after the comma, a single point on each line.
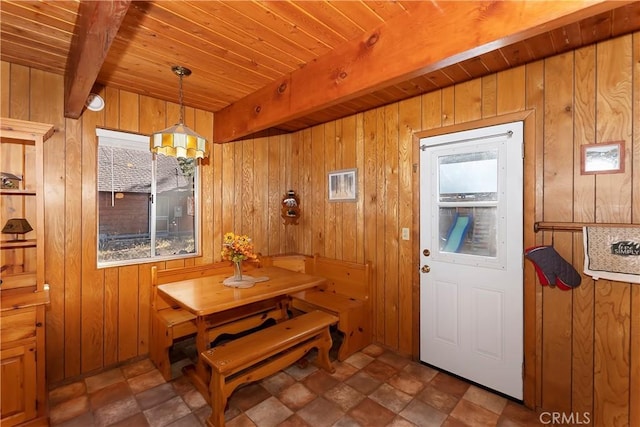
[425, 269]
[426, 252]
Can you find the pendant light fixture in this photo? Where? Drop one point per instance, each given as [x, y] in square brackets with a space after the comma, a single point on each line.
[179, 140]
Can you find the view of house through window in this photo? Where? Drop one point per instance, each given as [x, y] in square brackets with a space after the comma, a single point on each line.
[147, 205]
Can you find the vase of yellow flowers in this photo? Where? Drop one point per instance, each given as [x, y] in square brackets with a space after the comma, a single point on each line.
[236, 248]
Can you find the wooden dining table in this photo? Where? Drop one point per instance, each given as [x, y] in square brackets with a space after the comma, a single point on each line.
[207, 296]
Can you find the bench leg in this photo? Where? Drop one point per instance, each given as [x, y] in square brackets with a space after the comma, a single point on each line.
[356, 330]
[217, 399]
[324, 346]
[161, 342]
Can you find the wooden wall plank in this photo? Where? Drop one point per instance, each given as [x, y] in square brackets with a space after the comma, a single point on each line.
[318, 190]
[584, 211]
[510, 96]
[613, 194]
[612, 347]
[128, 111]
[558, 133]
[380, 305]
[360, 208]
[212, 203]
[432, 110]
[307, 189]
[331, 155]
[235, 206]
[128, 309]
[634, 357]
[534, 161]
[249, 192]
[203, 124]
[348, 229]
[289, 179]
[342, 143]
[448, 106]
[489, 95]
[409, 121]
[468, 101]
[635, 141]
[634, 374]
[144, 308]
[274, 227]
[5, 82]
[72, 254]
[20, 102]
[92, 286]
[390, 232]
[261, 210]
[613, 104]
[111, 110]
[228, 190]
[111, 311]
[370, 202]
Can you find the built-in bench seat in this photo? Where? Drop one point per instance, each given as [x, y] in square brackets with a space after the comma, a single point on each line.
[170, 323]
[345, 295]
[263, 353]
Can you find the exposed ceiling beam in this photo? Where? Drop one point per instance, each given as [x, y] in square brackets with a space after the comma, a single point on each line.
[426, 38]
[97, 25]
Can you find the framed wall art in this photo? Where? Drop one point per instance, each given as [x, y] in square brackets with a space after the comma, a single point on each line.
[343, 185]
[602, 158]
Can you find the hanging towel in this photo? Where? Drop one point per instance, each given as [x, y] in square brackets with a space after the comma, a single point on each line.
[612, 253]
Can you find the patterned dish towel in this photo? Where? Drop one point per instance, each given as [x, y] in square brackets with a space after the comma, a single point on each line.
[612, 253]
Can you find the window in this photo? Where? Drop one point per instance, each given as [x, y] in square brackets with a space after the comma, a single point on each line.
[468, 200]
[147, 204]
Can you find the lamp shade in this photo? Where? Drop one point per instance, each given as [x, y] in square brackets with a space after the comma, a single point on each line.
[17, 226]
[179, 141]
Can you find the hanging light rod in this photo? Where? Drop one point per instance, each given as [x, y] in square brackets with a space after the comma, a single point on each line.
[178, 140]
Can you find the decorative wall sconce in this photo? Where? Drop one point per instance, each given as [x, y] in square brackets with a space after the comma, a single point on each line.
[17, 226]
[290, 208]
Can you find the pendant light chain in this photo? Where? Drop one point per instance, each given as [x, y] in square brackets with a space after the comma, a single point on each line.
[181, 74]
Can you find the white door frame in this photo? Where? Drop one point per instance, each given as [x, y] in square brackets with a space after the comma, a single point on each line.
[532, 381]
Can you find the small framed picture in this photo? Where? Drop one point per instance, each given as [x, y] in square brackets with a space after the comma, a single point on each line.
[343, 185]
[602, 158]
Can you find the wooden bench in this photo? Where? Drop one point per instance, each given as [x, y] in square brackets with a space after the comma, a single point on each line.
[346, 295]
[293, 262]
[170, 322]
[264, 353]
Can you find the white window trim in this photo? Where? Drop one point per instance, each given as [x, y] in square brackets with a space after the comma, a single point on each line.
[135, 141]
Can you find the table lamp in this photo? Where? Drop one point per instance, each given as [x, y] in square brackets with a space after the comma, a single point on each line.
[17, 226]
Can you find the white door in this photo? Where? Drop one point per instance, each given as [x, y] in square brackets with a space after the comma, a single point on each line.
[471, 281]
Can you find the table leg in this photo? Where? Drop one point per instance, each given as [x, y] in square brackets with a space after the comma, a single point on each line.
[199, 374]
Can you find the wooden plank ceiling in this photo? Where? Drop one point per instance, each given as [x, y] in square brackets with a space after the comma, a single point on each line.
[287, 65]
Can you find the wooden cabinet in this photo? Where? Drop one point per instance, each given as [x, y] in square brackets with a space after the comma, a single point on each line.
[23, 292]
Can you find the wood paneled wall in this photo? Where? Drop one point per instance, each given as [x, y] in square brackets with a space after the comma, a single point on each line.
[587, 341]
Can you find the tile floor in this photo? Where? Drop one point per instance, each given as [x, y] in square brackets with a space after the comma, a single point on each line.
[374, 387]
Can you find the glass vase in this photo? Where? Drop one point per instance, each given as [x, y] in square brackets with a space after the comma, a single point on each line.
[237, 271]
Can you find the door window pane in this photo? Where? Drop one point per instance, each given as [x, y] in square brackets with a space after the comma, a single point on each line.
[468, 177]
[468, 230]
